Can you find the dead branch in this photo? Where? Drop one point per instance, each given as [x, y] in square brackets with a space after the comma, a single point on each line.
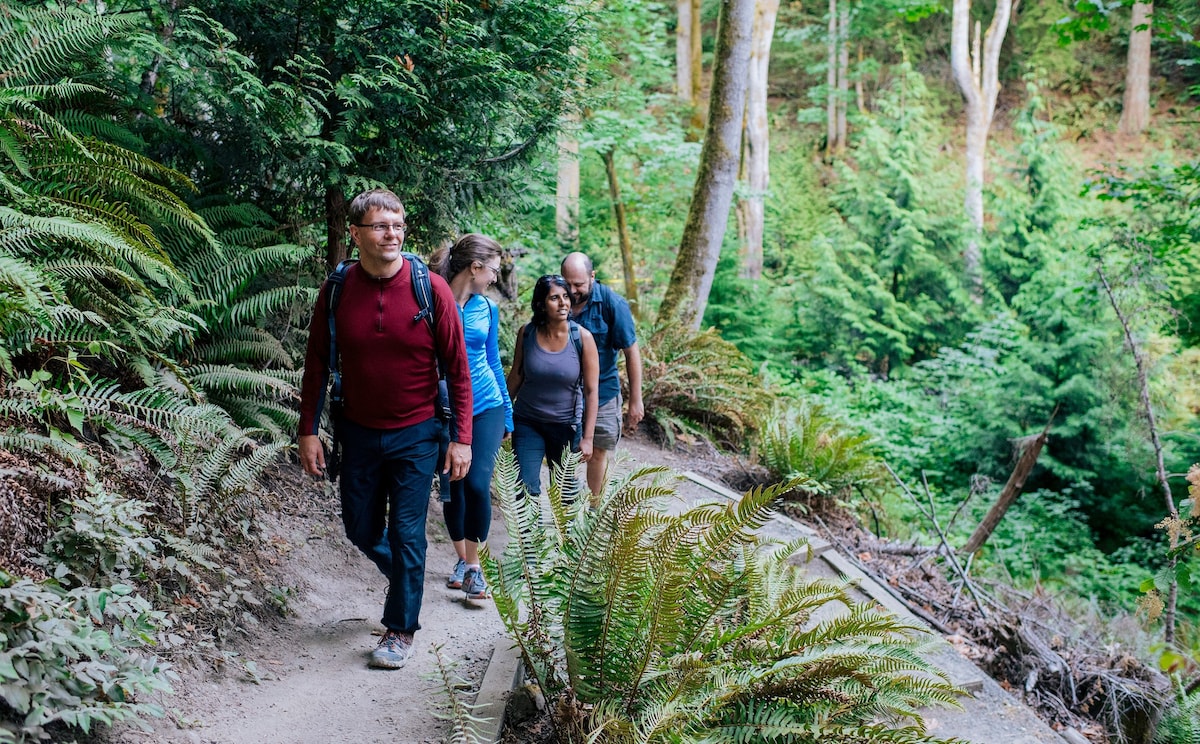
[1011, 490]
[946, 551]
[1143, 376]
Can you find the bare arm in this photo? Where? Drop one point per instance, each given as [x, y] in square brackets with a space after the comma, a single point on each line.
[633, 367]
[516, 373]
[591, 392]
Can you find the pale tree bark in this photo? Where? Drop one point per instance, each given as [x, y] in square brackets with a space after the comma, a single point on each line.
[1135, 104]
[977, 77]
[843, 84]
[683, 49]
[687, 293]
[697, 121]
[755, 171]
[566, 203]
[860, 95]
[614, 191]
[831, 57]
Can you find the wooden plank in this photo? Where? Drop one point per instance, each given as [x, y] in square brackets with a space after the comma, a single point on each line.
[502, 675]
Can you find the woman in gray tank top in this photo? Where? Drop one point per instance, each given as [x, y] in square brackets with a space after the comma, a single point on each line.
[553, 383]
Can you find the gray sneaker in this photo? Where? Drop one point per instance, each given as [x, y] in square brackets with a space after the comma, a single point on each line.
[393, 651]
[474, 584]
[456, 576]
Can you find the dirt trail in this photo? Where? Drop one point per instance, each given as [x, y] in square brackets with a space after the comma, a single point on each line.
[314, 685]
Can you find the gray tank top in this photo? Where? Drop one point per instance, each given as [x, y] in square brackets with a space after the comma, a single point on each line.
[550, 390]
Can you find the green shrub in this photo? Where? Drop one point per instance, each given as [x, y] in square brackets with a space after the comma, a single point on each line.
[643, 625]
[74, 657]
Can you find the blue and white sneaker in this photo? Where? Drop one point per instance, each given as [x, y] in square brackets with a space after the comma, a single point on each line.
[393, 651]
[456, 576]
[475, 585]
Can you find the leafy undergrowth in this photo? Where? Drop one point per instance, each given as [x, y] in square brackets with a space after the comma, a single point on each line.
[109, 581]
[1075, 670]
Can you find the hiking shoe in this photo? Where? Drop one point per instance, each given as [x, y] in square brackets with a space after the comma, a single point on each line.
[456, 576]
[474, 584]
[393, 651]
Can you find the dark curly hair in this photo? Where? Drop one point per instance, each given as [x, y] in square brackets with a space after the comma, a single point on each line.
[541, 291]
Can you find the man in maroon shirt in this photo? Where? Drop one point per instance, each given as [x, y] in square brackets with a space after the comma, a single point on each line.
[389, 429]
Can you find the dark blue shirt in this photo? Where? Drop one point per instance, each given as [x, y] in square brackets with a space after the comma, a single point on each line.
[607, 316]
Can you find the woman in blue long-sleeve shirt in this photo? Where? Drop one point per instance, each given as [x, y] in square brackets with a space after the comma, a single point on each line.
[470, 266]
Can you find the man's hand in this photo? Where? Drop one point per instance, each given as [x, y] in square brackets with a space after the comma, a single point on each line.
[458, 460]
[312, 456]
[634, 415]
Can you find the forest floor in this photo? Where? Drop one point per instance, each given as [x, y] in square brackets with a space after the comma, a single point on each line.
[302, 677]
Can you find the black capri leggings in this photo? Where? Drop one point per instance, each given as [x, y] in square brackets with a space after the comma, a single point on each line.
[468, 511]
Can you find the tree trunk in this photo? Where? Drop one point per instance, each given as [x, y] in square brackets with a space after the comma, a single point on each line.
[755, 172]
[860, 95]
[1008, 496]
[683, 49]
[700, 247]
[843, 83]
[831, 57]
[336, 210]
[614, 190]
[566, 203]
[977, 77]
[697, 121]
[1135, 104]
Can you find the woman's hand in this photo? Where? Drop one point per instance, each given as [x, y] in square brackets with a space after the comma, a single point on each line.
[585, 449]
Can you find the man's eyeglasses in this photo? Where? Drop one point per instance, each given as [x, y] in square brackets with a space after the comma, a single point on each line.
[379, 228]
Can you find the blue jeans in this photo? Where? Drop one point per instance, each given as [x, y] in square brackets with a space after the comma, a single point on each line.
[467, 503]
[535, 440]
[385, 482]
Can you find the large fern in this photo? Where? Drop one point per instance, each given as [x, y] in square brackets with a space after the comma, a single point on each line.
[700, 383]
[646, 625]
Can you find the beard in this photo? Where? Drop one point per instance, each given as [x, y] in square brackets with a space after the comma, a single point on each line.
[579, 299]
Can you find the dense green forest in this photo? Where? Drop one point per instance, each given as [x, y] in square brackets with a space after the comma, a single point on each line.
[786, 194]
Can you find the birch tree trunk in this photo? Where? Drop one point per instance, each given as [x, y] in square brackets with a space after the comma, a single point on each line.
[831, 57]
[683, 49]
[977, 77]
[755, 171]
[1135, 104]
[697, 121]
[614, 191]
[566, 202]
[687, 293]
[843, 83]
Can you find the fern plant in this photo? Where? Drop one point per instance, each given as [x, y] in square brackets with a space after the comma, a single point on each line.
[646, 625]
[699, 383]
[801, 440]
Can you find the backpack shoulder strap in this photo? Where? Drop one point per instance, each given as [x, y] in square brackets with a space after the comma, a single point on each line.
[577, 340]
[334, 284]
[422, 288]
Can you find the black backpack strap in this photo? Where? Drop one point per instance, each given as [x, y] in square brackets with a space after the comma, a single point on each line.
[577, 340]
[335, 281]
[334, 284]
[423, 291]
[422, 288]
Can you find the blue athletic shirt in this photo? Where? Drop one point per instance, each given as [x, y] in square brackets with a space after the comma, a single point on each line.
[608, 317]
[481, 329]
